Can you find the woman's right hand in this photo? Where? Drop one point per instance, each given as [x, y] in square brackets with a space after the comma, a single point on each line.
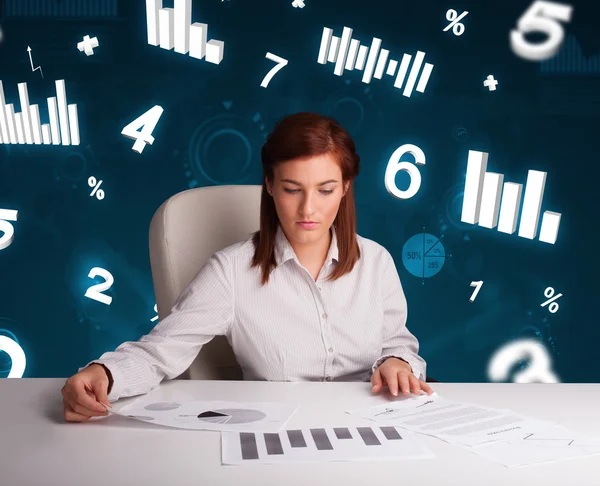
[84, 393]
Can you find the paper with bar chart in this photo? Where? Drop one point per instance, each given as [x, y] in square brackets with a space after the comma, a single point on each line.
[481, 203]
[172, 28]
[347, 53]
[210, 415]
[322, 444]
[25, 128]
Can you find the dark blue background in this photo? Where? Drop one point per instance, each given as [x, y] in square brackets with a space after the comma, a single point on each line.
[534, 120]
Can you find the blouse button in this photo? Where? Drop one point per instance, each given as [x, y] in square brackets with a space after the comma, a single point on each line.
[324, 316]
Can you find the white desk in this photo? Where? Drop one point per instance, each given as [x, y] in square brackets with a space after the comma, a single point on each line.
[38, 448]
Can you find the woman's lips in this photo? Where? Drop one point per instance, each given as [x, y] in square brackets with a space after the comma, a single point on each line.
[307, 225]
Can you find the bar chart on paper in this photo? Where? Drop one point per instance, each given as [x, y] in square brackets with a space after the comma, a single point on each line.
[172, 28]
[481, 203]
[347, 53]
[321, 445]
[25, 127]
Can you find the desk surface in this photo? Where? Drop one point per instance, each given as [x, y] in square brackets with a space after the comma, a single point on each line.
[38, 447]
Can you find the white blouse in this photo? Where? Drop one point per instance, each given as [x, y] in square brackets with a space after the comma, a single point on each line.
[291, 329]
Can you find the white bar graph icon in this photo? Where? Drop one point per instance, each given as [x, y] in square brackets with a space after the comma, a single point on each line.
[347, 53]
[26, 128]
[171, 28]
[481, 203]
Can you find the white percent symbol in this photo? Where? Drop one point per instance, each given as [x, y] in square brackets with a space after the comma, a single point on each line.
[148, 121]
[8, 229]
[541, 16]
[281, 62]
[508, 356]
[394, 166]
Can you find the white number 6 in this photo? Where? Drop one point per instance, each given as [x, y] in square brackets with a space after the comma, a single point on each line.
[541, 16]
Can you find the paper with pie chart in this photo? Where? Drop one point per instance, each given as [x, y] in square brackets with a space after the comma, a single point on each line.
[211, 415]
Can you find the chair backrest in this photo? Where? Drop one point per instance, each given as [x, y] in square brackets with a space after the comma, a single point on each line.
[185, 231]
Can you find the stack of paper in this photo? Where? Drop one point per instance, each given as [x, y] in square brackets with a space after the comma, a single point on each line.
[500, 435]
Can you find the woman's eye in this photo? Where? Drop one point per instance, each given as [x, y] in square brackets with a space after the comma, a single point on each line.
[294, 191]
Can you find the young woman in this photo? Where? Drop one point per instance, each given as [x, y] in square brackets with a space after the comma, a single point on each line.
[303, 298]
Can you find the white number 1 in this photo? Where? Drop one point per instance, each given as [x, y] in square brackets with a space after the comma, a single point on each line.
[148, 121]
[541, 16]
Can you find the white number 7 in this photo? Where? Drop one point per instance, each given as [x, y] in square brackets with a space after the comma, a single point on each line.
[8, 229]
[281, 62]
[148, 120]
[541, 16]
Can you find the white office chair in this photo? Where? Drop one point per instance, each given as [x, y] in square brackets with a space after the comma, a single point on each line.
[185, 231]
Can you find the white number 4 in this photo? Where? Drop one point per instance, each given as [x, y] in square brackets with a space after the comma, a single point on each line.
[148, 121]
[541, 16]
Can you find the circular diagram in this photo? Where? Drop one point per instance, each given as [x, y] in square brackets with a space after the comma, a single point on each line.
[231, 416]
[423, 255]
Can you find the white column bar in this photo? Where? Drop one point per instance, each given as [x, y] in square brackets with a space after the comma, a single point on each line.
[198, 33]
[550, 224]
[383, 57]
[490, 199]
[352, 53]
[391, 69]
[10, 121]
[19, 125]
[402, 71]
[509, 208]
[152, 8]
[424, 77]
[373, 53]
[73, 124]
[414, 72]
[214, 51]
[53, 117]
[362, 57]
[333, 50]
[476, 166]
[63, 117]
[325, 45]
[24, 98]
[3, 124]
[343, 51]
[165, 22]
[181, 25]
[532, 203]
[46, 140]
[36, 129]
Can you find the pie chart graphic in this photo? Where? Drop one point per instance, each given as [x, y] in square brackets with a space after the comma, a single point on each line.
[231, 416]
[423, 255]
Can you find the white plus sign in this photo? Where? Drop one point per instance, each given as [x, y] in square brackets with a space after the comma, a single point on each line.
[490, 83]
[298, 3]
[87, 44]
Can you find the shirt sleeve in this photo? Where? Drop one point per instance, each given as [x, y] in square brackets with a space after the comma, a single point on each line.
[202, 311]
[398, 341]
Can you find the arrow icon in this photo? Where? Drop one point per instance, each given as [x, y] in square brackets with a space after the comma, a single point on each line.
[31, 61]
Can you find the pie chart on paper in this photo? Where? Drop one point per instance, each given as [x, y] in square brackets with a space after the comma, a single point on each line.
[231, 416]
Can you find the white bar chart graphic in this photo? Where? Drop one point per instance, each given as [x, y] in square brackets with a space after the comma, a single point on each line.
[481, 203]
[348, 54]
[25, 127]
[172, 28]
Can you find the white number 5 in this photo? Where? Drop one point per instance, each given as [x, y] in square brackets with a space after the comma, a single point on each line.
[541, 16]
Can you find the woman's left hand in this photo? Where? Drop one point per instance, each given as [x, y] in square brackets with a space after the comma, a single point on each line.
[396, 373]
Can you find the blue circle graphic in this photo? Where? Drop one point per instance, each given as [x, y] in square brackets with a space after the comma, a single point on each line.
[423, 255]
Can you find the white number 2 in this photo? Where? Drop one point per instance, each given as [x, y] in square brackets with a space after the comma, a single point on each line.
[539, 363]
[95, 291]
[8, 229]
[148, 121]
[541, 16]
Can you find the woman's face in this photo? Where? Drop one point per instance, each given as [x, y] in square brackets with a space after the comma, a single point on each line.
[308, 189]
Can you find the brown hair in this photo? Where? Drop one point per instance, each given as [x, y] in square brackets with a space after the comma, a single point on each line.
[303, 135]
